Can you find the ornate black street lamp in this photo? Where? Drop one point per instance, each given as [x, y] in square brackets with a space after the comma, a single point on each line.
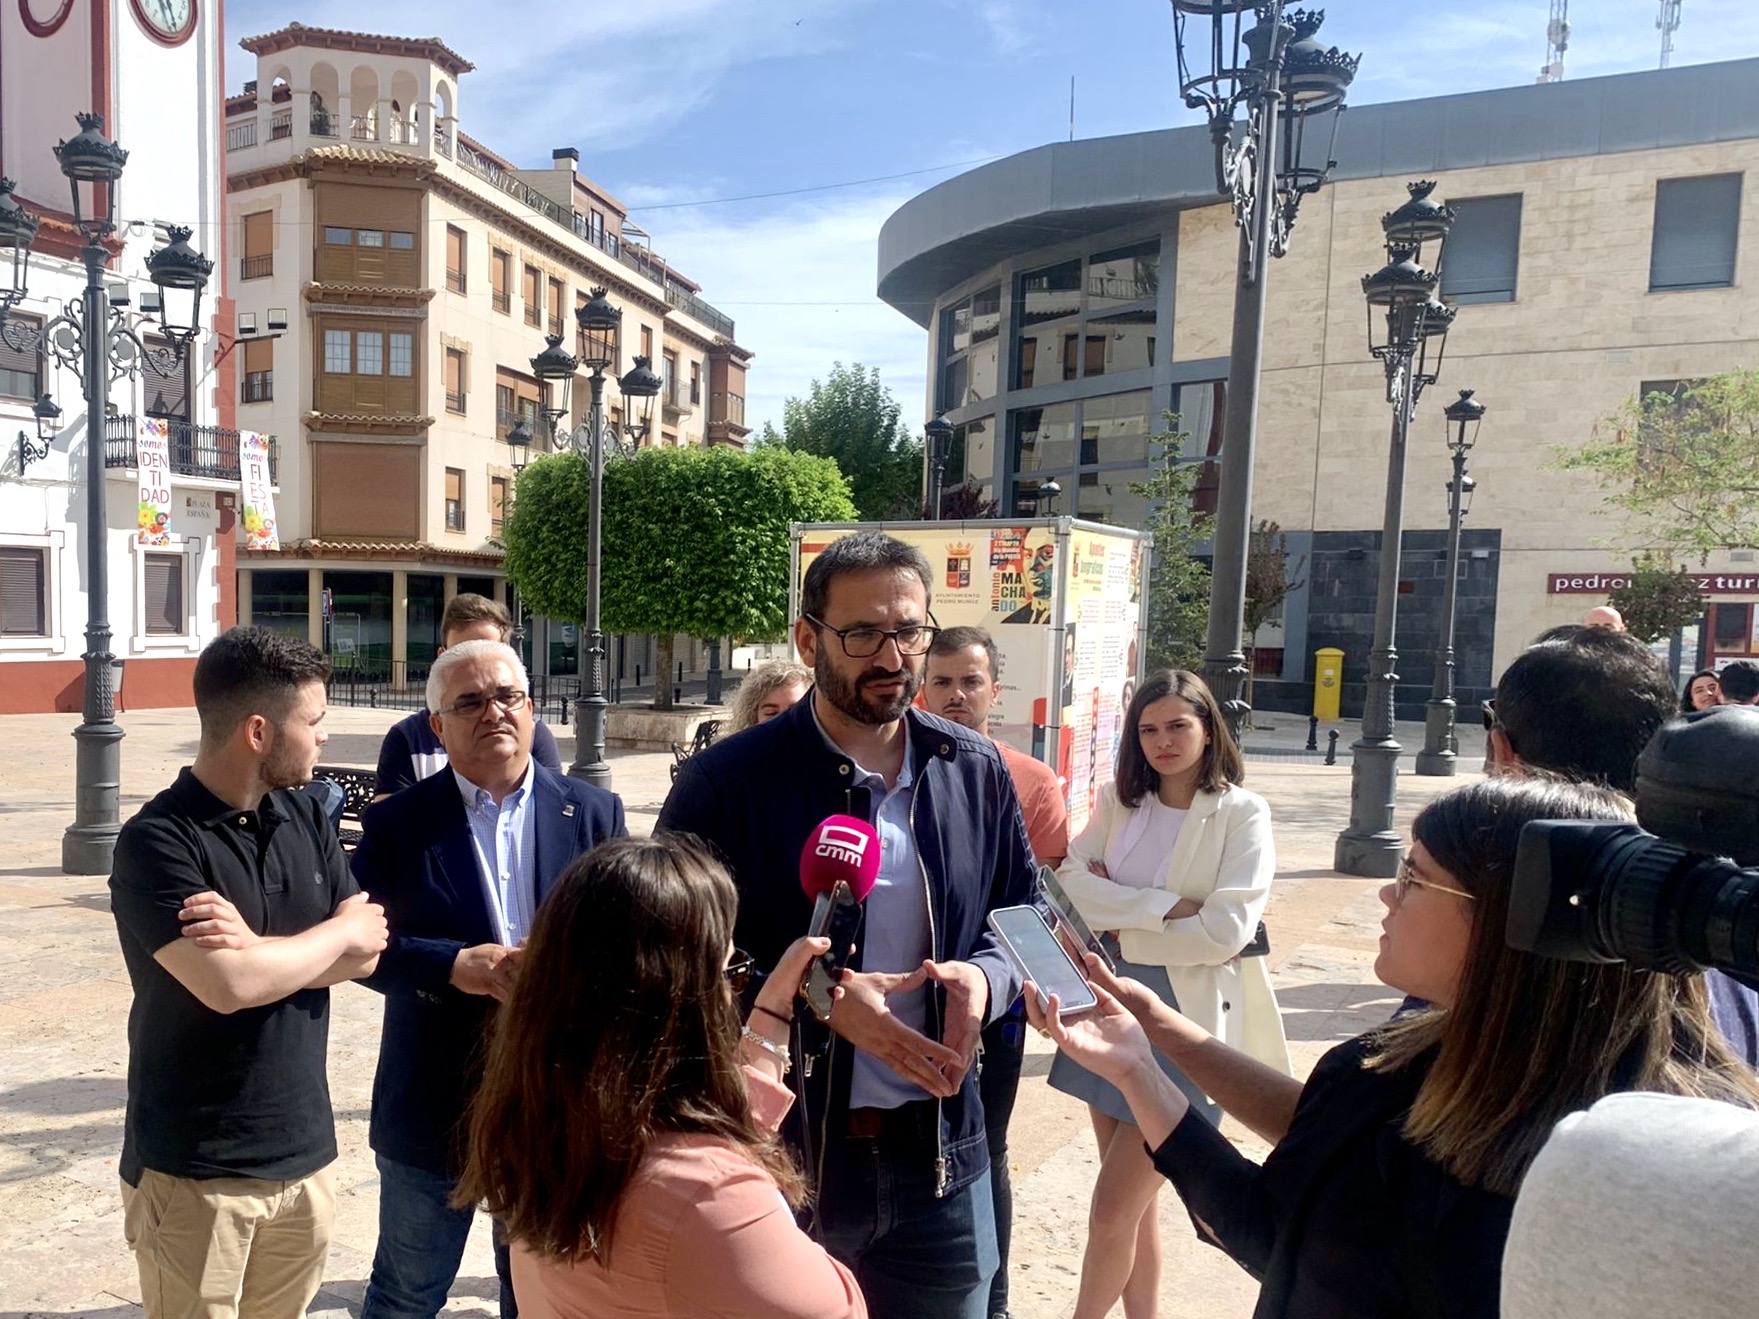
[937, 443]
[1441, 746]
[93, 337]
[1272, 93]
[600, 323]
[1407, 332]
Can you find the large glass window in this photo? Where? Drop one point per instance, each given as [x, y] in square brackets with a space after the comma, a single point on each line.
[369, 353]
[1044, 440]
[427, 601]
[280, 600]
[1096, 449]
[337, 355]
[360, 623]
[1201, 409]
[402, 354]
[1084, 318]
[1048, 304]
[971, 349]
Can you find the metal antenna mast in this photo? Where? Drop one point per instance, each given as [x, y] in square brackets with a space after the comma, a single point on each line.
[1557, 41]
[1669, 23]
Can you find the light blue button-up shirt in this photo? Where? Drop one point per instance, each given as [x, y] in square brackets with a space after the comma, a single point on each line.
[896, 932]
[505, 841]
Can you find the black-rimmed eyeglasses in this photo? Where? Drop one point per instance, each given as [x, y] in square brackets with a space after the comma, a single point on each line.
[866, 642]
[472, 704]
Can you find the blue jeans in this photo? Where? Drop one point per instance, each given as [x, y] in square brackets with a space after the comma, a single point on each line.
[421, 1243]
[915, 1256]
[1004, 1053]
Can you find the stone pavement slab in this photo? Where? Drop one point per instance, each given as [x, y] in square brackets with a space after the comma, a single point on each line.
[64, 999]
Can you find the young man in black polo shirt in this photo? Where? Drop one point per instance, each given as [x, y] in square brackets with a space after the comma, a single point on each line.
[236, 911]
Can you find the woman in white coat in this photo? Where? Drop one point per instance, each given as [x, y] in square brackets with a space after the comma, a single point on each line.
[1175, 866]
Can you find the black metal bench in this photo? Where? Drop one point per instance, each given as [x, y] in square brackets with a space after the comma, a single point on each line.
[705, 734]
[359, 787]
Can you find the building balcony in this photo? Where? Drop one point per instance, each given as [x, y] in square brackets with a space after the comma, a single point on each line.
[726, 408]
[257, 387]
[678, 399]
[256, 267]
[210, 452]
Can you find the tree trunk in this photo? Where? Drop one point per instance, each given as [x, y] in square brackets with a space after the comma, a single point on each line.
[665, 671]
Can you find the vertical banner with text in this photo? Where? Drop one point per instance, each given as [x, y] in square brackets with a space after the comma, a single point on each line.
[152, 448]
[258, 513]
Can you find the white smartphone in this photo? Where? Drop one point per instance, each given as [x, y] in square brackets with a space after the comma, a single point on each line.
[1029, 943]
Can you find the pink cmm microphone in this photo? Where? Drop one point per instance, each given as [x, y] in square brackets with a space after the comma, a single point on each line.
[838, 867]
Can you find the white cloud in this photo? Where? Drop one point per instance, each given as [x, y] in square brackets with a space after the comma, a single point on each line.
[799, 283]
[615, 72]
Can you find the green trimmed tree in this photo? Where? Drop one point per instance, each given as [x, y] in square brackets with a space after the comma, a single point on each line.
[852, 418]
[1178, 582]
[1659, 601]
[695, 540]
[1681, 466]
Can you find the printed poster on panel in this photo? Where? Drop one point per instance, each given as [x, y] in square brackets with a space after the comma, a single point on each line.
[997, 576]
[1102, 617]
[258, 500]
[152, 449]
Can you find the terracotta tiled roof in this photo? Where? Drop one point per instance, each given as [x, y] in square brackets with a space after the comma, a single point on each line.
[363, 43]
[344, 151]
[314, 547]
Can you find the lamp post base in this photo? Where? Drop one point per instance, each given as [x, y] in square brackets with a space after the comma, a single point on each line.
[1371, 847]
[88, 846]
[1440, 750]
[589, 743]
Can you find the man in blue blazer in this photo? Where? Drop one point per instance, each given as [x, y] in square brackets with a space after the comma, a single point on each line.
[460, 862]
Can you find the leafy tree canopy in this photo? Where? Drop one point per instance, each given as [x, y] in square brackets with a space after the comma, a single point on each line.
[852, 418]
[1681, 466]
[1660, 600]
[695, 540]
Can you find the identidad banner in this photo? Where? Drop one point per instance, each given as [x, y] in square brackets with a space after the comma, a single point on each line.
[152, 458]
[257, 496]
[1065, 610]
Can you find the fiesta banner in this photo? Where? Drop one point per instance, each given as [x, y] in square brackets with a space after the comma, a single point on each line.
[152, 450]
[258, 513]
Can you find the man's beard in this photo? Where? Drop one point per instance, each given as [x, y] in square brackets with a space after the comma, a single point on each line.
[852, 698]
[282, 768]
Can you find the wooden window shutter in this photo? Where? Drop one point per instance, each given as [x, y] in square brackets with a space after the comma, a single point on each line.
[259, 234]
[22, 593]
[259, 356]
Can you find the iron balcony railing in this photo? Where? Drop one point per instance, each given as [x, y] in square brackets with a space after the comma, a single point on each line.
[280, 124]
[255, 267]
[205, 451]
[257, 387]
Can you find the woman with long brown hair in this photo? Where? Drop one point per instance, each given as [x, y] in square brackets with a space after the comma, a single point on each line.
[1175, 865]
[624, 1132]
[1389, 1190]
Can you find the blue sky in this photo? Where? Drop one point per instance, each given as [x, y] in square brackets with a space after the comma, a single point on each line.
[680, 101]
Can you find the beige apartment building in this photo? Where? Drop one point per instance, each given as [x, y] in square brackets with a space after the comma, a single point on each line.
[1601, 250]
[399, 276]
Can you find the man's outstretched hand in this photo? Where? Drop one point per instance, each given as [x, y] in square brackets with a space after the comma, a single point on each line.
[861, 1016]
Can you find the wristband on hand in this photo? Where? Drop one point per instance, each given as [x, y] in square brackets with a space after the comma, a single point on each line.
[759, 1007]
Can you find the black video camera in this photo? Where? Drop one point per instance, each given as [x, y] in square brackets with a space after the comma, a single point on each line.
[1674, 892]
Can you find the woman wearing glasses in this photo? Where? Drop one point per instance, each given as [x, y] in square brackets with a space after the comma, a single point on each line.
[624, 1132]
[1395, 1167]
[1177, 860]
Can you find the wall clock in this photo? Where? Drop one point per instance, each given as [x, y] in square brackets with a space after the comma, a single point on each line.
[43, 18]
[169, 22]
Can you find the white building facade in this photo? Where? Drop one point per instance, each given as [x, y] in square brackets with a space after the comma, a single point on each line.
[153, 73]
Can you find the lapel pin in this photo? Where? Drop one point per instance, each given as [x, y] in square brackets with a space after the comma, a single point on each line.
[568, 811]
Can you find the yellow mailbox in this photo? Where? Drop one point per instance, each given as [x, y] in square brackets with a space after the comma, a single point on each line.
[1328, 682]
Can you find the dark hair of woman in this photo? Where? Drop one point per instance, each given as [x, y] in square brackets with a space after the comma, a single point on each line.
[1222, 763]
[1686, 706]
[1531, 1039]
[620, 1028]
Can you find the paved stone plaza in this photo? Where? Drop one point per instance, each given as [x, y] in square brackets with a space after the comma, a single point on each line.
[64, 999]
